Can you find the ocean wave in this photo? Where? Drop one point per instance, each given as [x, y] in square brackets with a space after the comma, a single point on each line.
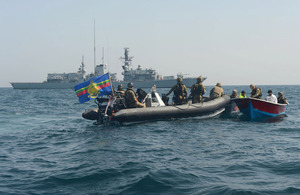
[166, 181]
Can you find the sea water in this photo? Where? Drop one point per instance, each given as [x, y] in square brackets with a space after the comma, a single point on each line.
[46, 147]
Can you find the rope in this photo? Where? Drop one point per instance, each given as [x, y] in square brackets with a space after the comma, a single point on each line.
[198, 106]
[189, 104]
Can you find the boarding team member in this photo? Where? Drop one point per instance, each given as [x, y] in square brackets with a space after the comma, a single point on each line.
[234, 94]
[131, 99]
[197, 91]
[120, 91]
[217, 91]
[180, 92]
[256, 92]
[281, 99]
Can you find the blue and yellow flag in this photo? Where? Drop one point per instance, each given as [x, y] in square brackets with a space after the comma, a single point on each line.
[93, 88]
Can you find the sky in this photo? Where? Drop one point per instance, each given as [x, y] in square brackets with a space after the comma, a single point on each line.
[229, 41]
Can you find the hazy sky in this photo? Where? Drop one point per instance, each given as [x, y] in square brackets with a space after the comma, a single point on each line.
[235, 42]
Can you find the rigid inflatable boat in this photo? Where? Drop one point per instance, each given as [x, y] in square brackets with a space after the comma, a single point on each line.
[114, 112]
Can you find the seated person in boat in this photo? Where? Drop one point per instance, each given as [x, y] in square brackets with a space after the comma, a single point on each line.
[234, 94]
[243, 94]
[197, 91]
[217, 91]
[120, 93]
[180, 92]
[256, 92]
[131, 98]
[281, 99]
[271, 97]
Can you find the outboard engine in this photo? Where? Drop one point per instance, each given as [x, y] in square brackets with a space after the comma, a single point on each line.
[107, 107]
[93, 114]
[102, 118]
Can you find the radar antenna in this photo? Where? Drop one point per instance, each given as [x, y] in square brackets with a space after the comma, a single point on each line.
[126, 59]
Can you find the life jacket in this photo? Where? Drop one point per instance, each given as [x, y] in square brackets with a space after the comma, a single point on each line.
[197, 89]
[241, 96]
[256, 93]
[130, 98]
[120, 93]
[216, 92]
[282, 100]
[180, 90]
[233, 96]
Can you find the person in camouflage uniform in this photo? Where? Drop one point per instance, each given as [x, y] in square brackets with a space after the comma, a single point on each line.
[256, 92]
[131, 99]
[281, 99]
[120, 92]
[197, 91]
[217, 91]
[180, 92]
[234, 94]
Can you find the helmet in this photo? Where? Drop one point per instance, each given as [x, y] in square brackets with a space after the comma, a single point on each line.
[179, 79]
[219, 84]
[234, 91]
[200, 79]
[280, 93]
[130, 85]
[120, 87]
[252, 86]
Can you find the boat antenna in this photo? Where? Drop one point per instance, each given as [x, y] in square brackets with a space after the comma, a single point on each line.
[103, 55]
[94, 48]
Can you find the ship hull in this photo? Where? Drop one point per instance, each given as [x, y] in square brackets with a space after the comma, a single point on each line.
[44, 85]
[137, 84]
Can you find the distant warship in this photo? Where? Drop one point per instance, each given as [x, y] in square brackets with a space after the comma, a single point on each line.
[146, 78]
[59, 80]
[141, 78]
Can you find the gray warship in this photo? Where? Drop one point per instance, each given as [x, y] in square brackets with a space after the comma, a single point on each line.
[58, 80]
[146, 78]
[141, 78]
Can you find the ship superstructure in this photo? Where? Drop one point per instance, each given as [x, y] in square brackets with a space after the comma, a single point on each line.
[57, 80]
[142, 78]
[146, 78]
[80, 75]
[138, 74]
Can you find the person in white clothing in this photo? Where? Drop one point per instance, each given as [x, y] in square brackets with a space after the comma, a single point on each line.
[271, 97]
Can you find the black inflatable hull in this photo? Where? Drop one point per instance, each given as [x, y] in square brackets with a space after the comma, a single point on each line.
[91, 114]
[166, 112]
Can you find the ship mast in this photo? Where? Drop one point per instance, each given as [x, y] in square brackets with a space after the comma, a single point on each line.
[126, 59]
[82, 63]
[94, 48]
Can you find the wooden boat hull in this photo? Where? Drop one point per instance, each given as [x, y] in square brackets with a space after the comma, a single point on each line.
[257, 109]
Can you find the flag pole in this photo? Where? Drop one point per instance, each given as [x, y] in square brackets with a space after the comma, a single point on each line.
[112, 87]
